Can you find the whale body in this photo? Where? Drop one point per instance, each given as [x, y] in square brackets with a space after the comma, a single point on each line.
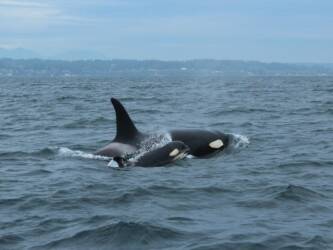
[161, 156]
[129, 140]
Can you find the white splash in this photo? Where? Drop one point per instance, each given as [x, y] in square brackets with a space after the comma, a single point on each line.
[66, 152]
[151, 143]
[239, 141]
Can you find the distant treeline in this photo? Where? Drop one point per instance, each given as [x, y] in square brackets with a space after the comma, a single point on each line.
[39, 67]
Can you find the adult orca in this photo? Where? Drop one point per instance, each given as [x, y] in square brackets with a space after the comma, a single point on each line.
[166, 154]
[202, 143]
[128, 139]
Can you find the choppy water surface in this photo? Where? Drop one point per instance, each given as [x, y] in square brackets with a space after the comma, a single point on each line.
[272, 190]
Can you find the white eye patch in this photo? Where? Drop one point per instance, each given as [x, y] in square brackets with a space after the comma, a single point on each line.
[216, 144]
[174, 152]
[180, 156]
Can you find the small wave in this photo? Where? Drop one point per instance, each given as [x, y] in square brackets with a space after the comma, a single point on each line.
[66, 152]
[180, 219]
[239, 110]
[41, 153]
[297, 193]
[10, 239]
[4, 136]
[96, 219]
[32, 203]
[159, 189]
[317, 241]
[37, 172]
[13, 154]
[141, 193]
[306, 163]
[295, 240]
[44, 152]
[290, 241]
[53, 224]
[143, 98]
[10, 201]
[130, 196]
[66, 97]
[84, 123]
[124, 235]
[230, 245]
[258, 203]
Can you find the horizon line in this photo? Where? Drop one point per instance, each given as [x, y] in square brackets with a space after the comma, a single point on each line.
[161, 60]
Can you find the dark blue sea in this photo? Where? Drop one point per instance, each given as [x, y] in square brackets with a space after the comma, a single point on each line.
[272, 189]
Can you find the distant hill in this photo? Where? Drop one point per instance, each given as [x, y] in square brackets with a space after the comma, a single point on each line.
[17, 53]
[78, 55]
[38, 67]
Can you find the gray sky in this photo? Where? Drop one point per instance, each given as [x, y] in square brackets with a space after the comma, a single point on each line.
[265, 30]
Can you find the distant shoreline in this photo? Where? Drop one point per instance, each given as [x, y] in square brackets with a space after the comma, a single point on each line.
[44, 67]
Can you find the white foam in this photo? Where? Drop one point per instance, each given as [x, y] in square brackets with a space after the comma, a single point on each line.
[66, 152]
[151, 143]
[239, 141]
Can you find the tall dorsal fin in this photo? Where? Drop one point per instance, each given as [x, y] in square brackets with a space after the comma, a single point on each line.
[126, 129]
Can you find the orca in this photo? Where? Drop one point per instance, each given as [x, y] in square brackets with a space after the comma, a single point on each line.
[202, 143]
[164, 155]
[129, 140]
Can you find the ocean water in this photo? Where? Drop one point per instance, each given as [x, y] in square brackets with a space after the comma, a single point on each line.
[272, 189]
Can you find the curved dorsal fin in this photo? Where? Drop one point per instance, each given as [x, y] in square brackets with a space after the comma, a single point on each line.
[126, 129]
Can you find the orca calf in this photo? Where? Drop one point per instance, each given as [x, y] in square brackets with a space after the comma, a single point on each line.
[172, 151]
[129, 140]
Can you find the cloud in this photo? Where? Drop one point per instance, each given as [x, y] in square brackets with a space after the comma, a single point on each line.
[16, 3]
[131, 28]
[8, 46]
[28, 17]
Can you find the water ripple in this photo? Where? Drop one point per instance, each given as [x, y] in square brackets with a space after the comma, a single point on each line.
[121, 235]
[271, 189]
